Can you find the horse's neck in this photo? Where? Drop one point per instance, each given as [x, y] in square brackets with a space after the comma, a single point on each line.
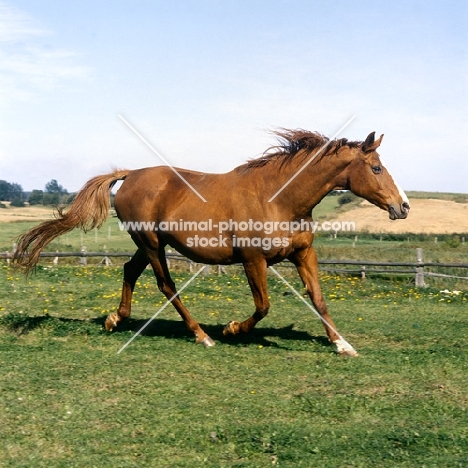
[303, 189]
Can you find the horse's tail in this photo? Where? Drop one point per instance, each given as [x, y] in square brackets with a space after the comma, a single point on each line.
[89, 209]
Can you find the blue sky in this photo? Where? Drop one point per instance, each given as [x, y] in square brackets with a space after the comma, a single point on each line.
[202, 81]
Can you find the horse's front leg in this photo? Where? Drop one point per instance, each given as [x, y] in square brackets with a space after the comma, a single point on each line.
[257, 276]
[306, 263]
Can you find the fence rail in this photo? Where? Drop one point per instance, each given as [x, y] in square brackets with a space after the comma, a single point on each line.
[418, 266]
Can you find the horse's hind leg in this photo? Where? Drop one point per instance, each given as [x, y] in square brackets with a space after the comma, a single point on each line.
[167, 287]
[132, 271]
[257, 276]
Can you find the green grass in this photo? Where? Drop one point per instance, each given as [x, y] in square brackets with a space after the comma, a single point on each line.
[326, 207]
[278, 397]
[330, 206]
[108, 237]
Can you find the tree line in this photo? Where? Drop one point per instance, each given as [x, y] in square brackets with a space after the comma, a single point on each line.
[53, 194]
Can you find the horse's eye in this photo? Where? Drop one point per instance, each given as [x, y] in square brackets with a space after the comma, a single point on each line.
[377, 169]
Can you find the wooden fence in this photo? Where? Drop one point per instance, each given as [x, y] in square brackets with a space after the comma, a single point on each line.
[340, 266]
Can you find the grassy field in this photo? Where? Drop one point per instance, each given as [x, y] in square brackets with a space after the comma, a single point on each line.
[108, 237]
[279, 397]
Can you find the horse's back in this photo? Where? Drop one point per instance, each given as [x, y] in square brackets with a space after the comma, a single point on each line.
[149, 193]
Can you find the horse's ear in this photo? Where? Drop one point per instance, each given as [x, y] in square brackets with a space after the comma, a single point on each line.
[371, 144]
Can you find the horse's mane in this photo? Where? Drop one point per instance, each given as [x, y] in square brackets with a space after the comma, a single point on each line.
[298, 144]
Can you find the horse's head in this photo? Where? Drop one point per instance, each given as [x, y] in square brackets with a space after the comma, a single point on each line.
[367, 177]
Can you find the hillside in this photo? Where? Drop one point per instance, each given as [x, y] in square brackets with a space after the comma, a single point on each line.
[429, 216]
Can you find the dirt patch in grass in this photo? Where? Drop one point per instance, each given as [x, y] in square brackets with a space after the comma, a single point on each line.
[426, 216]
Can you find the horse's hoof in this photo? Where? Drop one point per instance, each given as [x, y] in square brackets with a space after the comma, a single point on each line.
[207, 342]
[232, 328]
[344, 348]
[110, 322]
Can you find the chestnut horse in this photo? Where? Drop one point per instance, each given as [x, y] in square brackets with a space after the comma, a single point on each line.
[276, 191]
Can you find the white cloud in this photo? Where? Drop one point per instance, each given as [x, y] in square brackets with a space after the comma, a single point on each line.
[27, 66]
[16, 25]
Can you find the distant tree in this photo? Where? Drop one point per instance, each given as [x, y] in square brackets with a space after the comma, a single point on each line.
[54, 187]
[4, 190]
[10, 191]
[18, 202]
[68, 199]
[16, 191]
[36, 197]
[54, 193]
[347, 198]
[51, 198]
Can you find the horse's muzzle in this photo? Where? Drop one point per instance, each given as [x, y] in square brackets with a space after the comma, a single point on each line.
[399, 212]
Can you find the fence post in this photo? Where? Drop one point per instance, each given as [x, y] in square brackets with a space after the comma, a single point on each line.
[106, 260]
[14, 246]
[419, 280]
[83, 260]
[363, 272]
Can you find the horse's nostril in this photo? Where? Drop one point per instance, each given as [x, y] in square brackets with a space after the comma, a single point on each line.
[405, 206]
